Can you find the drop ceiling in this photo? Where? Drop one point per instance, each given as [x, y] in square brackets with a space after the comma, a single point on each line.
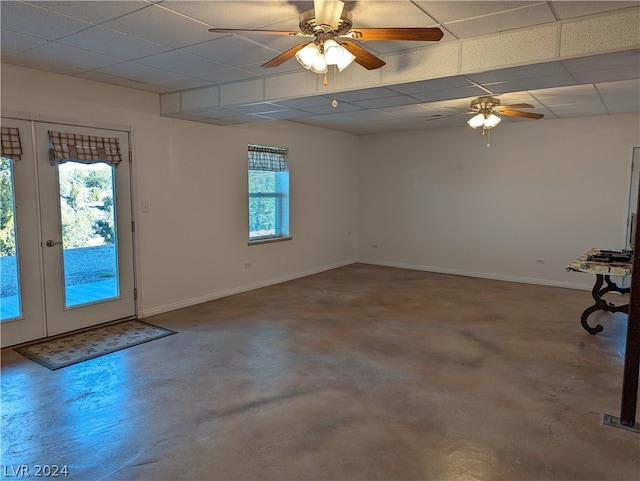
[566, 58]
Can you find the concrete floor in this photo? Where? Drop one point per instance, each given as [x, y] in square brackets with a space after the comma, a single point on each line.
[362, 372]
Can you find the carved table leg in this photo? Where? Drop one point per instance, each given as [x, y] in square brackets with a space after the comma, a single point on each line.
[600, 304]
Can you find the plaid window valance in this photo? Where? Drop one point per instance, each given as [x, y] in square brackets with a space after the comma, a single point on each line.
[272, 159]
[87, 149]
[11, 146]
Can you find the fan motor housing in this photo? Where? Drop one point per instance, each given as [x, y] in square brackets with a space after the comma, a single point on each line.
[485, 103]
[309, 26]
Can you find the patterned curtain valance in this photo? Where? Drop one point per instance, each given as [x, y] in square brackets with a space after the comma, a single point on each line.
[87, 149]
[272, 159]
[11, 146]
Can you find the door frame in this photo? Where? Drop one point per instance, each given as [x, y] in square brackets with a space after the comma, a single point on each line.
[33, 118]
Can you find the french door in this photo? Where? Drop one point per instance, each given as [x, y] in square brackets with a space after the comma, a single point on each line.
[72, 262]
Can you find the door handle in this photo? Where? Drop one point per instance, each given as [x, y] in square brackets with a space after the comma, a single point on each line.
[51, 243]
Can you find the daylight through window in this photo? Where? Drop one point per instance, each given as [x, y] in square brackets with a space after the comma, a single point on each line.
[268, 193]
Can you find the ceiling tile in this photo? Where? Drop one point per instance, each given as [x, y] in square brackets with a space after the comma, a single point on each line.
[432, 85]
[227, 75]
[234, 14]
[620, 97]
[603, 68]
[141, 73]
[38, 22]
[84, 10]
[367, 94]
[14, 42]
[389, 14]
[233, 50]
[40, 64]
[565, 10]
[448, 11]
[328, 108]
[180, 61]
[77, 58]
[161, 26]
[259, 108]
[513, 18]
[554, 69]
[123, 82]
[287, 114]
[453, 93]
[385, 102]
[106, 41]
[529, 84]
[305, 102]
[184, 83]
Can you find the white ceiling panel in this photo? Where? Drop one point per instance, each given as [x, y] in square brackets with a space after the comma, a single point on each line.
[233, 50]
[432, 85]
[140, 73]
[38, 22]
[451, 11]
[83, 10]
[385, 102]
[14, 42]
[227, 75]
[501, 21]
[123, 82]
[41, 64]
[454, 93]
[620, 97]
[571, 9]
[77, 58]
[328, 109]
[389, 14]
[180, 61]
[161, 26]
[238, 14]
[106, 41]
[165, 47]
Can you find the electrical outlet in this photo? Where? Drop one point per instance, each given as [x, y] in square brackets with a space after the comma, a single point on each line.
[247, 265]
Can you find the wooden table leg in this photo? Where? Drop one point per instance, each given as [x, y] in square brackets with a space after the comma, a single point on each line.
[600, 304]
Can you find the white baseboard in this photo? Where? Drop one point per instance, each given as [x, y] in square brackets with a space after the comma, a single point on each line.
[482, 275]
[142, 313]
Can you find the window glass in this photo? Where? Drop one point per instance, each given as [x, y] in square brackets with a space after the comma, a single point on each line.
[268, 201]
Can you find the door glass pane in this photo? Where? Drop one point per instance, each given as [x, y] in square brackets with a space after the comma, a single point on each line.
[89, 235]
[10, 303]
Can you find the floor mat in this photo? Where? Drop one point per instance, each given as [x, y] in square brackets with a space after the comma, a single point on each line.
[88, 344]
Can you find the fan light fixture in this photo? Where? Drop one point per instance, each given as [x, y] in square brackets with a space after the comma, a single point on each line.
[484, 120]
[316, 57]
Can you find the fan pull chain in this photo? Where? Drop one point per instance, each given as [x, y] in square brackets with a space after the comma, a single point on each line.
[334, 102]
[489, 139]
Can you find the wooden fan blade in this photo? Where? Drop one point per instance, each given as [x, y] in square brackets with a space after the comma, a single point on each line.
[419, 34]
[284, 56]
[517, 113]
[328, 12]
[364, 58]
[262, 32]
[517, 106]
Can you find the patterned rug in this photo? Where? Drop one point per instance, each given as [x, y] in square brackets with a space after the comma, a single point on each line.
[81, 346]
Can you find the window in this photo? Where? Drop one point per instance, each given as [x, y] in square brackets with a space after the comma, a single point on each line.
[268, 193]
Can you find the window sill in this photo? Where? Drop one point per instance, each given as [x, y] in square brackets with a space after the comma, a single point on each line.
[269, 240]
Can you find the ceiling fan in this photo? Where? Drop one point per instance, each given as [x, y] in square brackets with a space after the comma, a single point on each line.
[486, 110]
[334, 39]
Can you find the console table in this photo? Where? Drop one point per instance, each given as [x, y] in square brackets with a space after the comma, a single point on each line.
[603, 271]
